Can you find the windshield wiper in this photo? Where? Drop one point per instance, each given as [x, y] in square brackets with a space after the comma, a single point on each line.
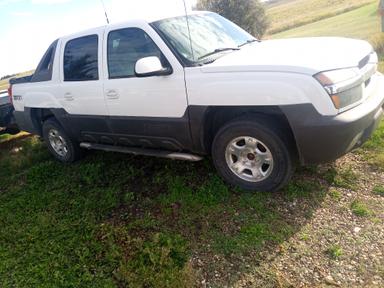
[249, 42]
[219, 50]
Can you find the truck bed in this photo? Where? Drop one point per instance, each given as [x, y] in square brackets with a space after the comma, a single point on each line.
[21, 80]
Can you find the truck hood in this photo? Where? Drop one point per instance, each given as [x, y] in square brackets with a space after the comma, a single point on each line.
[297, 55]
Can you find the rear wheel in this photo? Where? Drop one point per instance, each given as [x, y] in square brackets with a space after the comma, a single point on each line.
[61, 146]
[252, 155]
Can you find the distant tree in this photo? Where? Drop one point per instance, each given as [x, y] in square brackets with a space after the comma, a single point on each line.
[7, 76]
[248, 14]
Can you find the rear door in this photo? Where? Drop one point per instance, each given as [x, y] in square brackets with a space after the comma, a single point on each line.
[144, 111]
[81, 89]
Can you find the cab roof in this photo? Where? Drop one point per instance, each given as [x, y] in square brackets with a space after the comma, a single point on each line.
[133, 22]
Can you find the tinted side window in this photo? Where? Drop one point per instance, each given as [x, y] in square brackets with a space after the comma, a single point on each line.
[80, 59]
[44, 69]
[125, 47]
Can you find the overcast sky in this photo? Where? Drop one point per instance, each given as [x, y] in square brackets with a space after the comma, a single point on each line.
[27, 27]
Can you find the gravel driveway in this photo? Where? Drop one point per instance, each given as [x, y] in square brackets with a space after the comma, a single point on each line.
[342, 245]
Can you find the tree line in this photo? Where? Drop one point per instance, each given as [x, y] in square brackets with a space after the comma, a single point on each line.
[248, 14]
[7, 76]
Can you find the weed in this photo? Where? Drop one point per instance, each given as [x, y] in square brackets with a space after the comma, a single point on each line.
[360, 209]
[305, 236]
[376, 141]
[344, 178]
[336, 195]
[378, 190]
[373, 150]
[303, 188]
[335, 251]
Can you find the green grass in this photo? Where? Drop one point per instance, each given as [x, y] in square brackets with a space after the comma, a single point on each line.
[343, 178]
[7, 137]
[335, 251]
[360, 209]
[303, 188]
[113, 220]
[360, 23]
[4, 137]
[346, 178]
[56, 227]
[373, 150]
[290, 14]
[335, 194]
[378, 190]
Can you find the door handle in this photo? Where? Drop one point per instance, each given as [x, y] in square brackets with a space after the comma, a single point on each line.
[68, 96]
[112, 94]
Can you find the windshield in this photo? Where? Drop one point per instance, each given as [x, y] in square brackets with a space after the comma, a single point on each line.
[210, 34]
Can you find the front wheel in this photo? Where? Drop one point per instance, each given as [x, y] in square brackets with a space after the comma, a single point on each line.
[252, 156]
[61, 146]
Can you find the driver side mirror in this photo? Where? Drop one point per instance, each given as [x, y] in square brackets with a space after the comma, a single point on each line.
[151, 66]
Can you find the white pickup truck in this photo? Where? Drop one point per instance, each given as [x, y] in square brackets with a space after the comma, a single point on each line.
[165, 88]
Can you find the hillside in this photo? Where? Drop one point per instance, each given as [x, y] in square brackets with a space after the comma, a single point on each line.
[4, 83]
[287, 14]
[360, 23]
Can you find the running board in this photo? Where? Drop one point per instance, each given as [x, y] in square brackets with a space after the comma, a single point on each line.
[142, 151]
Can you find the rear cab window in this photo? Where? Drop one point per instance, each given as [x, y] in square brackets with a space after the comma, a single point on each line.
[81, 59]
[44, 69]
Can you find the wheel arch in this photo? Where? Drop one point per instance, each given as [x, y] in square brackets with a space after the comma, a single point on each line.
[38, 116]
[213, 118]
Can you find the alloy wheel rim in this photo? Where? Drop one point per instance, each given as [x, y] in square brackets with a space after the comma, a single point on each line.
[58, 143]
[249, 159]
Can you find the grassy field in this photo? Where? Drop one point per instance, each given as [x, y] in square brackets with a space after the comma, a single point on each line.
[360, 23]
[291, 14]
[114, 220]
[5, 83]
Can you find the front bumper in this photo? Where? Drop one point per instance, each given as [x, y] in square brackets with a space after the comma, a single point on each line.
[323, 139]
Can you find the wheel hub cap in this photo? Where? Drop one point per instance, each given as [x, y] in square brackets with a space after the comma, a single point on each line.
[251, 156]
[58, 143]
[249, 159]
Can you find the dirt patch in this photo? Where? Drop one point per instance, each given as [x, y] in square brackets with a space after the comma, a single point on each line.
[335, 247]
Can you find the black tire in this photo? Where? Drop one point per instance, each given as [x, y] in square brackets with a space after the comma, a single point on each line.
[73, 150]
[271, 136]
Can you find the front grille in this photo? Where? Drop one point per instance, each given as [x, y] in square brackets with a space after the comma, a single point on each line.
[367, 82]
[368, 68]
[364, 61]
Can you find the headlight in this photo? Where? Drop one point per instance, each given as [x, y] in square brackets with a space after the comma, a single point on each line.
[343, 85]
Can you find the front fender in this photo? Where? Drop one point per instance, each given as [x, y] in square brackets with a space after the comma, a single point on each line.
[256, 89]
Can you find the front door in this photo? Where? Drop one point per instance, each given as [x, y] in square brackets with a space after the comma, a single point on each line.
[151, 111]
[81, 89]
